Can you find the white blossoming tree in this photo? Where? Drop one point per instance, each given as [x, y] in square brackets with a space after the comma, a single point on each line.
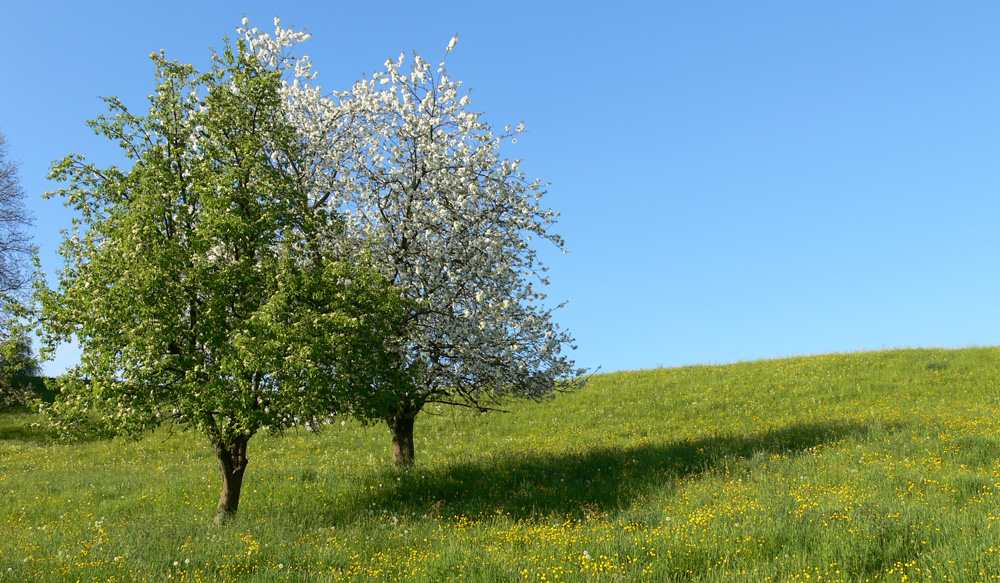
[452, 223]
[203, 285]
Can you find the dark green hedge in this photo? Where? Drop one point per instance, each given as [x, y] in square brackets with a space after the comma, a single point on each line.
[37, 385]
[34, 384]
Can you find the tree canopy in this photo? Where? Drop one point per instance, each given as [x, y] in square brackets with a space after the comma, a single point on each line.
[452, 225]
[203, 284]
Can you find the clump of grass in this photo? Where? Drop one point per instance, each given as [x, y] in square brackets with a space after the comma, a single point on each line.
[853, 467]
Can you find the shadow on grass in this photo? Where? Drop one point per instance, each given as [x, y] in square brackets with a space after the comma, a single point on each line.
[592, 481]
[19, 425]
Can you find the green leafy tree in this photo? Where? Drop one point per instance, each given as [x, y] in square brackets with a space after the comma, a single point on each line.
[203, 285]
[17, 356]
[17, 359]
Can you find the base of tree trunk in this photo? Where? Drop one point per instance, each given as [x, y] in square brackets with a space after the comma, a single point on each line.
[233, 463]
[401, 427]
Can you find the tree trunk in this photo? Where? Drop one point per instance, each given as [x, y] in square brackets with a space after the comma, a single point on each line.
[401, 427]
[233, 463]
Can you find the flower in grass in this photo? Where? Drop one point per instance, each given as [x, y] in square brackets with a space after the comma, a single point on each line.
[586, 556]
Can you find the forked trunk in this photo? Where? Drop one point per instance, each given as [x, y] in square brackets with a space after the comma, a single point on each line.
[401, 427]
[233, 463]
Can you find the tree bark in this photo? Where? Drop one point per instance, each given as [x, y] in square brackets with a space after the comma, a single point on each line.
[233, 463]
[401, 427]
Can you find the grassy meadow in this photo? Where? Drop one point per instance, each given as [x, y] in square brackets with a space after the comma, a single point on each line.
[880, 466]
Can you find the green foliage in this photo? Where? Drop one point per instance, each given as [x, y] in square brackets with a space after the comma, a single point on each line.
[17, 356]
[17, 365]
[203, 285]
[848, 467]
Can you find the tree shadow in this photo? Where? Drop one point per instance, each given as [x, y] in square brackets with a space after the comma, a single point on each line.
[22, 424]
[593, 481]
[23, 432]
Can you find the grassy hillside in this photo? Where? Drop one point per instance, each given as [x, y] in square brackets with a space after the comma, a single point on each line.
[879, 466]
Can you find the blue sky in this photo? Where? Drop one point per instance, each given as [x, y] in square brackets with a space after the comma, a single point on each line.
[737, 180]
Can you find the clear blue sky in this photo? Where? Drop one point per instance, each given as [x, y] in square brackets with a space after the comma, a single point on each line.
[737, 180]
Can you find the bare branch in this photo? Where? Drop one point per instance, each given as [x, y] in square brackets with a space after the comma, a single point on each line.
[16, 250]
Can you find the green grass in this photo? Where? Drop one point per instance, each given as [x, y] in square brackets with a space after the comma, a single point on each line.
[880, 466]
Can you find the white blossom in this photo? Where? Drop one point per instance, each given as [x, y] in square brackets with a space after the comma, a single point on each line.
[420, 180]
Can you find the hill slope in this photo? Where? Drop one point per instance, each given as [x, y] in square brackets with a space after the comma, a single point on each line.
[875, 466]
